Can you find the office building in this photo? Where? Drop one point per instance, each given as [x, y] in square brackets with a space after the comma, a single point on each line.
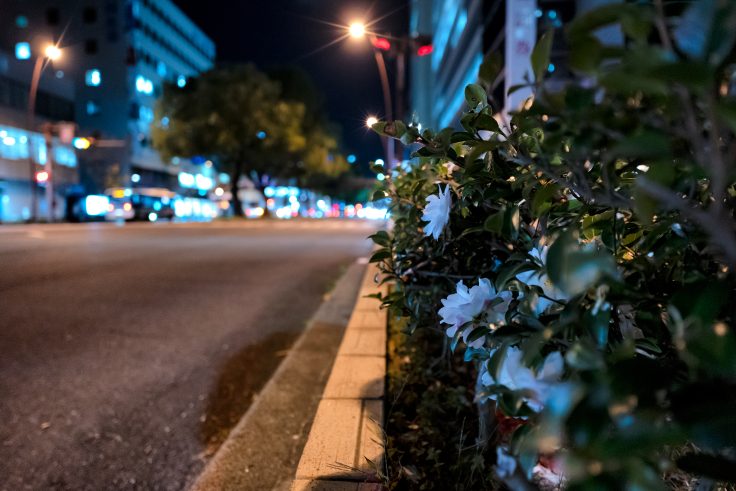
[464, 32]
[24, 153]
[117, 55]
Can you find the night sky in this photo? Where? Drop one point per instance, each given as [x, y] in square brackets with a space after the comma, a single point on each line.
[291, 32]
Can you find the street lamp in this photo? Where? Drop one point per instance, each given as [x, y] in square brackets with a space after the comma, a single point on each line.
[50, 53]
[399, 48]
[356, 30]
[370, 121]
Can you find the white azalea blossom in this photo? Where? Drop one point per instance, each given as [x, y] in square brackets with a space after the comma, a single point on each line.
[437, 212]
[514, 375]
[540, 279]
[505, 463]
[467, 303]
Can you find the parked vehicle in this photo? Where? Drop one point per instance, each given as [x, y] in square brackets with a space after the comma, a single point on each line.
[148, 204]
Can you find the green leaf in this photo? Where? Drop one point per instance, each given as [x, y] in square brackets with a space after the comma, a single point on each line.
[477, 333]
[509, 271]
[646, 144]
[511, 223]
[633, 83]
[598, 325]
[592, 224]
[586, 23]
[494, 223]
[691, 74]
[381, 238]
[543, 198]
[380, 255]
[540, 55]
[490, 68]
[488, 123]
[505, 222]
[586, 54]
[707, 30]
[726, 110]
[584, 357]
[475, 95]
[378, 195]
[478, 149]
[574, 268]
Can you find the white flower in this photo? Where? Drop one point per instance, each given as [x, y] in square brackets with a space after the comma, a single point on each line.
[437, 212]
[547, 478]
[505, 463]
[464, 305]
[514, 375]
[540, 279]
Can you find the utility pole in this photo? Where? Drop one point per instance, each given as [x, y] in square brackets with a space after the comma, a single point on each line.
[48, 136]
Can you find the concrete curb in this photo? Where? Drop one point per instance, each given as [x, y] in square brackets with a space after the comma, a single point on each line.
[345, 448]
[263, 450]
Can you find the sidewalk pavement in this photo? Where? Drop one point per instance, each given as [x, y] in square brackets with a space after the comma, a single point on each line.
[262, 452]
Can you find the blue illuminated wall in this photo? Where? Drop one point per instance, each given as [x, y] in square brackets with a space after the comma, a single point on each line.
[438, 81]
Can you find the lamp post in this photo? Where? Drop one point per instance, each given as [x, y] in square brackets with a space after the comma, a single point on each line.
[357, 30]
[50, 53]
[380, 44]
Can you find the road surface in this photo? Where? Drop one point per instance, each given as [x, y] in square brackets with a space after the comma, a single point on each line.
[127, 352]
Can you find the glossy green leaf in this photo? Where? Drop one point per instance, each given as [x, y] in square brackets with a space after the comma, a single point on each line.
[475, 95]
[540, 55]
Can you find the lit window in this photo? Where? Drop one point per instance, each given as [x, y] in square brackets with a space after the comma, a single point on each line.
[21, 21]
[145, 114]
[143, 85]
[23, 51]
[93, 77]
[181, 81]
[93, 108]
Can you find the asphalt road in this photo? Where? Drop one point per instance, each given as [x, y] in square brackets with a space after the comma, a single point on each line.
[126, 353]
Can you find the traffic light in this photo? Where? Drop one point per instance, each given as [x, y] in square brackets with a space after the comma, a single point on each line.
[425, 50]
[381, 43]
[423, 44]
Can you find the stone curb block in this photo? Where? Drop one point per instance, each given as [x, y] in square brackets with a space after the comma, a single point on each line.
[346, 442]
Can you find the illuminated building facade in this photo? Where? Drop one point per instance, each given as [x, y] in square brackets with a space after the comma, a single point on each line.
[117, 55]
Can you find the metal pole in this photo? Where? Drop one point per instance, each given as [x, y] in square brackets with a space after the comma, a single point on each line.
[400, 86]
[387, 105]
[48, 137]
[30, 123]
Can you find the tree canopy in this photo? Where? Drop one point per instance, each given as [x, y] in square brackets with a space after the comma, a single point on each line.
[238, 117]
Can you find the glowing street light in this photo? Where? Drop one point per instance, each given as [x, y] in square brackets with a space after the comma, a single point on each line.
[370, 121]
[52, 52]
[357, 30]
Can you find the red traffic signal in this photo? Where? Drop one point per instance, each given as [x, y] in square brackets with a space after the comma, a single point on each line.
[381, 43]
[42, 176]
[425, 50]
